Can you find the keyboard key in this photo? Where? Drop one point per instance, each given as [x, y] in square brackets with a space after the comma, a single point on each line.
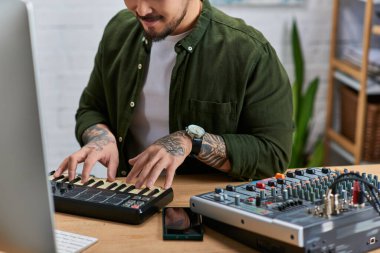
[69, 242]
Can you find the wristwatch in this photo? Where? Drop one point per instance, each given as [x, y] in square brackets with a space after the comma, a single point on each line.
[196, 134]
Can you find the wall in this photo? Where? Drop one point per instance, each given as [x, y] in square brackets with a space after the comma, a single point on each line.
[68, 32]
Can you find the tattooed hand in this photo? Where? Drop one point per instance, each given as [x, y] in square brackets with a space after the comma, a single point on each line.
[166, 153]
[100, 146]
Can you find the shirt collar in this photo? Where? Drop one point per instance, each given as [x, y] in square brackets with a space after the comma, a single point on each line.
[191, 41]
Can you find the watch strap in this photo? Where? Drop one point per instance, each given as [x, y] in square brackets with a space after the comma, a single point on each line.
[196, 145]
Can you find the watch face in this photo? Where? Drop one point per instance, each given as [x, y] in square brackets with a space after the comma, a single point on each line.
[197, 131]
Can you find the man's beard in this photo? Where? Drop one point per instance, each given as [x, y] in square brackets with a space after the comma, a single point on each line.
[169, 29]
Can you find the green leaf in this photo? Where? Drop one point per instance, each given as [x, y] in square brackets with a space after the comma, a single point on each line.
[317, 157]
[298, 68]
[306, 106]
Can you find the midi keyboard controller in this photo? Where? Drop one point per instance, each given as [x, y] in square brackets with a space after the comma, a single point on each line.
[115, 201]
[306, 210]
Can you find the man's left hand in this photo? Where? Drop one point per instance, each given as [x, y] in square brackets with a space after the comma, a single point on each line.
[166, 153]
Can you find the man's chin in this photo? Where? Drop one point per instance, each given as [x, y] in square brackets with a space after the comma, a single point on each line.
[155, 36]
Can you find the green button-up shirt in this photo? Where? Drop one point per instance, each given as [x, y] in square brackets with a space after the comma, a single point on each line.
[227, 79]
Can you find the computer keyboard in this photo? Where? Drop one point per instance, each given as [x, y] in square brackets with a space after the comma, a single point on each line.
[69, 242]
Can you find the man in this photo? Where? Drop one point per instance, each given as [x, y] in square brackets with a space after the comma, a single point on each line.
[167, 69]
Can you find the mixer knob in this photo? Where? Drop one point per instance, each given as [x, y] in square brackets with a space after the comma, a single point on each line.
[280, 181]
[281, 207]
[300, 172]
[230, 188]
[250, 187]
[326, 171]
[260, 185]
[59, 185]
[62, 190]
[53, 188]
[279, 176]
[310, 171]
[250, 200]
[70, 186]
[218, 197]
[272, 183]
[218, 190]
[291, 174]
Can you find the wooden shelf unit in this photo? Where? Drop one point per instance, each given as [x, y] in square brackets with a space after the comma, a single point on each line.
[359, 73]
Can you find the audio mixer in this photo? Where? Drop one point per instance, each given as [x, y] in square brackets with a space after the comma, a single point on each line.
[115, 201]
[305, 210]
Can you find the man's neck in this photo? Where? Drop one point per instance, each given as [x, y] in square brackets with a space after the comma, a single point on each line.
[193, 11]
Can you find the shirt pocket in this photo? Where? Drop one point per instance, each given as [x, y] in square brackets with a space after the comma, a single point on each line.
[214, 117]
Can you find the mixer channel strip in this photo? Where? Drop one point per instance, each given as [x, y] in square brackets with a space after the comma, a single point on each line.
[291, 213]
[115, 201]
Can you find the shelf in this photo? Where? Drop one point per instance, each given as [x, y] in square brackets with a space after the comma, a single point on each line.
[346, 155]
[376, 29]
[373, 1]
[373, 88]
[346, 67]
[342, 152]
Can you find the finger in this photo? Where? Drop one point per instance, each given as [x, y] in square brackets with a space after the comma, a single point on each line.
[72, 167]
[147, 170]
[61, 168]
[154, 174]
[133, 160]
[112, 168]
[136, 169]
[170, 172]
[88, 165]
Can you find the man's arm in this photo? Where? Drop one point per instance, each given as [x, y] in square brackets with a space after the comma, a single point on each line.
[100, 146]
[169, 152]
[214, 153]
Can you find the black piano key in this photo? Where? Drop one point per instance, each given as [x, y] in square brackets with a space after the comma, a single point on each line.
[97, 184]
[130, 188]
[89, 182]
[155, 191]
[65, 180]
[75, 180]
[59, 178]
[111, 186]
[144, 191]
[51, 173]
[121, 187]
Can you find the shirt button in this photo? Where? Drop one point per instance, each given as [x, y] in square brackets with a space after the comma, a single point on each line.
[132, 104]
[123, 173]
[190, 48]
[139, 66]
[120, 139]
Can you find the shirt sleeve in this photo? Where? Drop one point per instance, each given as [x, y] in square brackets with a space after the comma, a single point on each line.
[92, 107]
[264, 148]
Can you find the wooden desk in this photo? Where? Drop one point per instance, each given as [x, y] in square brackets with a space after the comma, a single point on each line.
[147, 237]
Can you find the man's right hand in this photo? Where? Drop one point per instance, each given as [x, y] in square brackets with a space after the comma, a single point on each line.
[100, 146]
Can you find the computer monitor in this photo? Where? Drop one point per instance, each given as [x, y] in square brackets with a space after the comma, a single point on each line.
[26, 210]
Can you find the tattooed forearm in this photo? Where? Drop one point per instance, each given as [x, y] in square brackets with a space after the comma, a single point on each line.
[96, 137]
[213, 151]
[173, 143]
